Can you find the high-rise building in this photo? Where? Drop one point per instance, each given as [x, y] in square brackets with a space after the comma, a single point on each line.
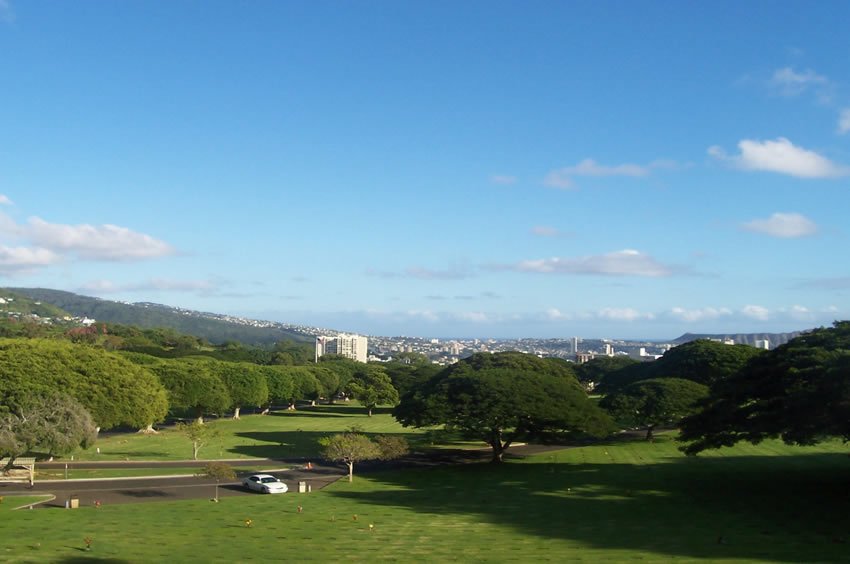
[763, 344]
[354, 347]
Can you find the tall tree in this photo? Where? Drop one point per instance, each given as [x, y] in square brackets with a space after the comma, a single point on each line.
[701, 361]
[114, 390]
[193, 385]
[245, 383]
[799, 391]
[405, 376]
[502, 398]
[52, 422]
[597, 369]
[372, 387]
[280, 383]
[343, 369]
[651, 403]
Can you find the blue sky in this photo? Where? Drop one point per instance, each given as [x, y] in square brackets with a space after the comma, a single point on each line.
[483, 169]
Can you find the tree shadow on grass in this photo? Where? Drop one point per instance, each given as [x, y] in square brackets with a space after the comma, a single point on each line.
[281, 445]
[779, 508]
[278, 444]
[305, 413]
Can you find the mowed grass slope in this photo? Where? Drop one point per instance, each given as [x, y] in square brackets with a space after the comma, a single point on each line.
[629, 501]
[281, 434]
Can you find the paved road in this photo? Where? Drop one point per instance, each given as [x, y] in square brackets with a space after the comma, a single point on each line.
[147, 489]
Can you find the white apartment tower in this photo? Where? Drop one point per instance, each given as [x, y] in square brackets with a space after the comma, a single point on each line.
[354, 347]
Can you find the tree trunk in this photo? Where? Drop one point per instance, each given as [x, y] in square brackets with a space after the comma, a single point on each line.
[369, 411]
[196, 446]
[649, 436]
[149, 430]
[498, 446]
[200, 419]
[350, 471]
[236, 411]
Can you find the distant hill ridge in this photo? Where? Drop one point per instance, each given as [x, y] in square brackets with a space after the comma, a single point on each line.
[215, 328]
[775, 339]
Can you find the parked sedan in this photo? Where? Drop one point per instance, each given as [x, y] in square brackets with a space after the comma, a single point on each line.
[264, 483]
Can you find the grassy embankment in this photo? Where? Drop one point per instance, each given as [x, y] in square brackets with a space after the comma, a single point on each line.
[628, 501]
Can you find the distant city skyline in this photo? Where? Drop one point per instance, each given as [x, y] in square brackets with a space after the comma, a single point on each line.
[441, 169]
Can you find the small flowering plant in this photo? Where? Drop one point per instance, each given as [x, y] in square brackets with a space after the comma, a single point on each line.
[88, 541]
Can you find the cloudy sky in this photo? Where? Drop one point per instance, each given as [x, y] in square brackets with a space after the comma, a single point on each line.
[441, 168]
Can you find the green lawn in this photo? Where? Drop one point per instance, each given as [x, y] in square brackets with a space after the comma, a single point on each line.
[13, 502]
[630, 501]
[281, 434]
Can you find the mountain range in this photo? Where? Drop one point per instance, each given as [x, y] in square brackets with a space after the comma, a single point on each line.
[215, 328]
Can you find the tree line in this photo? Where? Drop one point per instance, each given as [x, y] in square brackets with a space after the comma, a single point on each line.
[717, 394]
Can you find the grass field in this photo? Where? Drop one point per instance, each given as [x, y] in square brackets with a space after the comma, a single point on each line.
[16, 502]
[628, 501]
[282, 434]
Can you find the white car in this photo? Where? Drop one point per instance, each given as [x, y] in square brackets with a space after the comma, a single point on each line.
[264, 483]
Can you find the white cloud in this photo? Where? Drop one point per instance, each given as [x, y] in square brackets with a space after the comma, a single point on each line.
[555, 314]
[788, 82]
[503, 179]
[620, 263]
[844, 121]
[756, 312]
[563, 177]
[4, 200]
[104, 242]
[780, 156]
[622, 314]
[699, 314]
[801, 313]
[426, 315]
[589, 167]
[473, 316]
[21, 259]
[545, 231]
[783, 225]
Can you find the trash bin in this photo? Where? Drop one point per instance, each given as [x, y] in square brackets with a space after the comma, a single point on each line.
[74, 502]
[302, 487]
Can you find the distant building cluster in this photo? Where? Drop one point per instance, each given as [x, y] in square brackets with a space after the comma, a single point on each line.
[354, 347]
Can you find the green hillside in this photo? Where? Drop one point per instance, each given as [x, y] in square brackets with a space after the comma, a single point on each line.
[149, 315]
[13, 304]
